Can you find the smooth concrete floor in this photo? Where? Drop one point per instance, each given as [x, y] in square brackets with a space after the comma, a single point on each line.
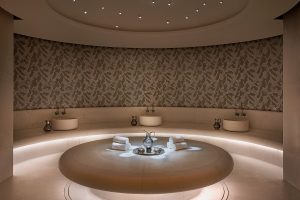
[251, 179]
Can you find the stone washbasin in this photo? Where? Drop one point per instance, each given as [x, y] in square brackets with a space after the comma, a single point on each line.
[236, 125]
[150, 120]
[64, 123]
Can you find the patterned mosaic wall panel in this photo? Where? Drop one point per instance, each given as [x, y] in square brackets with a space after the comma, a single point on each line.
[50, 74]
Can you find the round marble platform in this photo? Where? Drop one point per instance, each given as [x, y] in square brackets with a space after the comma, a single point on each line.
[95, 165]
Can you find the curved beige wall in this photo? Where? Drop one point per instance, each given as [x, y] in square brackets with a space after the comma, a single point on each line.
[291, 89]
[6, 93]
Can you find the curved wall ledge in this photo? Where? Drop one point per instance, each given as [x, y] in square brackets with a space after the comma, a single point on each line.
[263, 120]
[255, 144]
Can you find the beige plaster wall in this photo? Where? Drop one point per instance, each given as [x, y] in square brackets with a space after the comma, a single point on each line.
[291, 100]
[6, 94]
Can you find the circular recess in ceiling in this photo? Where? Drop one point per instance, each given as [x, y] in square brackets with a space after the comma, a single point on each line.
[200, 13]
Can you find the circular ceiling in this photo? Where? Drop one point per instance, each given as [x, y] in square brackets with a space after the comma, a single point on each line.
[148, 15]
[149, 23]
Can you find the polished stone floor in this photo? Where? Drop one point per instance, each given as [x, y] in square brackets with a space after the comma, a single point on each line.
[251, 179]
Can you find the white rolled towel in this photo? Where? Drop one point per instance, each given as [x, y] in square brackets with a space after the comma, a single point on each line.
[177, 146]
[121, 147]
[176, 139]
[121, 139]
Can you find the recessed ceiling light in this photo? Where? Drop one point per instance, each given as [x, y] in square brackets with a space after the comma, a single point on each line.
[102, 8]
[186, 17]
[204, 4]
[197, 10]
[116, 26]
[120, 13]
[221, 2]
[85, 12]
[153, 2]
[168, 22]
[169, 4]
[74, 0]
[140, 17]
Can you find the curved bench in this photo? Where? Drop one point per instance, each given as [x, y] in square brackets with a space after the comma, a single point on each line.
[256, 144]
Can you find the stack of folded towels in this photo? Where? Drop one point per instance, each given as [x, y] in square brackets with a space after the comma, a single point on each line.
[177, 142]
[121, 143]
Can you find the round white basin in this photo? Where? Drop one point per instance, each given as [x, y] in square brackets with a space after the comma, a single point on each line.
[64, 124]
[150, 120]
[236, 125]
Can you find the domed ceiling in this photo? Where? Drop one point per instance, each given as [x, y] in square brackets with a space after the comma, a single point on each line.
[148, 23]
[146, 15]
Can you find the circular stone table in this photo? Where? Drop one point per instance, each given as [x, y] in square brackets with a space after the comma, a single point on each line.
[95, 165]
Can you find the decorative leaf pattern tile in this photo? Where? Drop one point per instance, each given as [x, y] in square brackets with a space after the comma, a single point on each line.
[50, 74]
